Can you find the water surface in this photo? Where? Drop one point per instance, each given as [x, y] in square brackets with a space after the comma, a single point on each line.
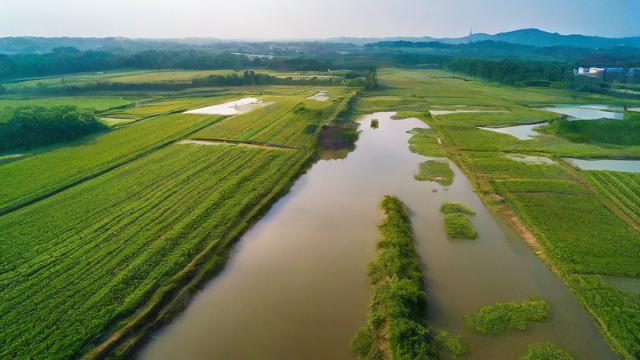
[588, 112]
[296, 285]
[606, 164]
[522, 132]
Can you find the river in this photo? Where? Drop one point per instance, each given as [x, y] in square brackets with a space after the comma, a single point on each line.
[296, 286]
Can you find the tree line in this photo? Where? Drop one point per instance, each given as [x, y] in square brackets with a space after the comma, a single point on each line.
[31, 126]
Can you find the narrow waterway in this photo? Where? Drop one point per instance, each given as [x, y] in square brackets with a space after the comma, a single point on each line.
[296, 286]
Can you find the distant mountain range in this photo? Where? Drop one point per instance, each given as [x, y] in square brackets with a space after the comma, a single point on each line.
[530, 37]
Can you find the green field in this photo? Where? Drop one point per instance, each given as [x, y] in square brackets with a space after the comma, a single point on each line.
[102, 231]
[54, 169]
[623, 189]
[87, 257]
[573, 229]
[107, 225]
[95, 103]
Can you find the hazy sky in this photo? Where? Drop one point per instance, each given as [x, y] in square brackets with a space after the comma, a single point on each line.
[262, 19]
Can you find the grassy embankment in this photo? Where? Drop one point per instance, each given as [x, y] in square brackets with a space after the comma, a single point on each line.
[395, 328]
[130, 224]
[563, 220]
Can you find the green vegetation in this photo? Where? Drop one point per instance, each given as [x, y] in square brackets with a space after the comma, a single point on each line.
[289, 122]
[614, 132]
[459, 226]
[426, 142]
[32, 126]
[451, 345]
[545, 351]
[498, 318]
[395, 329]
[22, 182]
[92, 255]
[110, 233]
[456, 223]
[437, 171]
[453, 207]
[567, 224]
[623, 189]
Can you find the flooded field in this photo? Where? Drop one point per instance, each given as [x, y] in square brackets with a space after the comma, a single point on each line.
[229, 108]
[296, 285]
[588, 112]
[522, 132]
[606, 164]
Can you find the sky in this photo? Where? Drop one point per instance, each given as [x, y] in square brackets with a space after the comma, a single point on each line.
[313, 19]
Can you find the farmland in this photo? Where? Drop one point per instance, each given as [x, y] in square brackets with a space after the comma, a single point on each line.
[570, 227]
[110, 234]
[87, 157]
[103, 226]
[174, 203]
[621, 188]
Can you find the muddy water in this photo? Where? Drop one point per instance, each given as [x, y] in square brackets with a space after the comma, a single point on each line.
[296, 285]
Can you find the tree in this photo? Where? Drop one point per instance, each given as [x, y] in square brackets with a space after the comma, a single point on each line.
[372, 79]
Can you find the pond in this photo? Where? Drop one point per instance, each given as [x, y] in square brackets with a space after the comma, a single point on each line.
[296, 285]
[588, 112]
[522, 132]
[606, 164]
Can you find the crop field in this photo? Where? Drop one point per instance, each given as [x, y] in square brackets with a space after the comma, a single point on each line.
[72, 265]
[160, 106]
[28, 179]
[579, 235]
[289, 121]
[102, 225]
[95, 103]
[621, 188]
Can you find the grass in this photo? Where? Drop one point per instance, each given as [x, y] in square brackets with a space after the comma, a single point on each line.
[94, 103]
[456, 223]
[451, 345]
[395, 328]
[458, 226]
[498, 318]
[453, 207]
[545, 351]
[426, 142]
[436, 171]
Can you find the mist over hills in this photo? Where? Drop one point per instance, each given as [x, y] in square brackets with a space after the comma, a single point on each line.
[530, 37]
